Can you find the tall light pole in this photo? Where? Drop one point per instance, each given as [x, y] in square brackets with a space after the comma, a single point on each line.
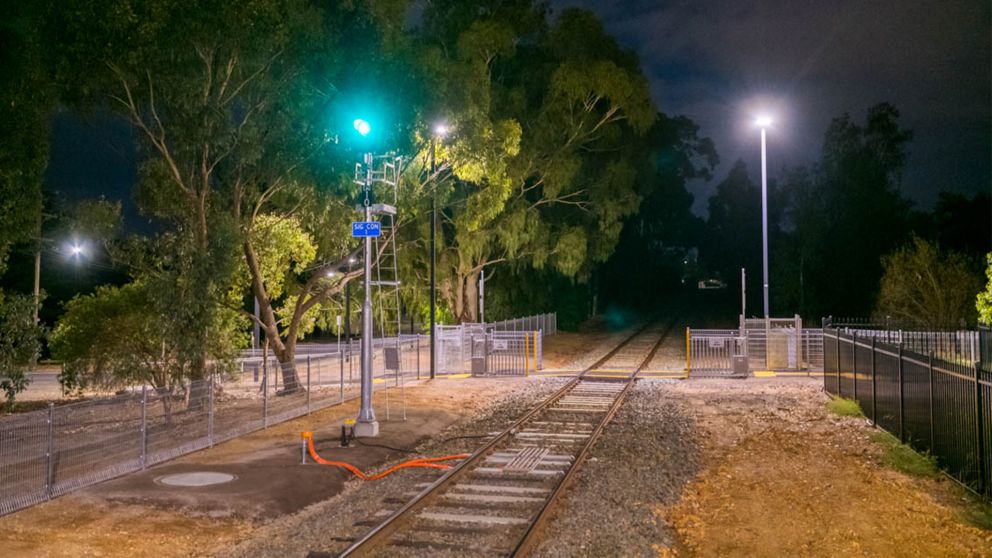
[366, 425]
[439, 132]
[763, 122]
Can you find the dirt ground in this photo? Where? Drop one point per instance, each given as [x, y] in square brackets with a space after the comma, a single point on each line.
[783, 477]
[134, 516]
[774, 475]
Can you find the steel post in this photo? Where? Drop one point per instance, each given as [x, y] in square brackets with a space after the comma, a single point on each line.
[902, 429]
[979, 432]
[144, 426]
[210, 411]
[49, 457]
[265, 401]
[308, 384]
[930, 381]
[764, 222]
[366, 425]
[433, 300]
[854, 362]
[874, 406]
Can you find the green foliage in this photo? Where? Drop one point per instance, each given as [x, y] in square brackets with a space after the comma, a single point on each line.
[983, 302]
[844, 407]
[20, 343]
[925, 288]
[543, 164]
[905, 459]
[24, 118]
[153, 349]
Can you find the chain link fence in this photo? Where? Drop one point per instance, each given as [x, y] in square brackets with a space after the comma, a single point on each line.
[48, 453]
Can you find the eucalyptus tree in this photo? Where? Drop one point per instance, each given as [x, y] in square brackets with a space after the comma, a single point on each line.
[238, 106]
[549, 120]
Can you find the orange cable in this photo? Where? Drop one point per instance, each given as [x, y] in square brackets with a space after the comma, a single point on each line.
[427, 462]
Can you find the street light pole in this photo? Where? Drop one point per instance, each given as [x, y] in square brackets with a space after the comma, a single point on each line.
[367, 425]
[764, 216]
[433, 256]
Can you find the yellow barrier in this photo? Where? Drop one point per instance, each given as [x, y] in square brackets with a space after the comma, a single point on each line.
[526, 355]
[535, 351]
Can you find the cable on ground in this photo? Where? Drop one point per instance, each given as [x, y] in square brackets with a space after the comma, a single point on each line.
[427, 462]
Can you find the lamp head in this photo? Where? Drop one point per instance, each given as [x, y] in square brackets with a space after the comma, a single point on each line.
[441, 130]
[362, 127]
[763, 121]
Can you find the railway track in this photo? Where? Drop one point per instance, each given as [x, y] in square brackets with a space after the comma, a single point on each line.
[495, 502]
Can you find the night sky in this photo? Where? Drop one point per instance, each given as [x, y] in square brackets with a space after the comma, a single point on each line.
[720, 62]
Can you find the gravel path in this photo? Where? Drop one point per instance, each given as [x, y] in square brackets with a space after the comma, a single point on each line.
[646, 456]
[330, 525]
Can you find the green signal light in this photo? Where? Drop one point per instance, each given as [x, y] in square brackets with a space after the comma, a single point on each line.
[362, 127]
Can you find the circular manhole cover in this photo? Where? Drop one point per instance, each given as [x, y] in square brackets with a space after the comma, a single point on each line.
[200, 478]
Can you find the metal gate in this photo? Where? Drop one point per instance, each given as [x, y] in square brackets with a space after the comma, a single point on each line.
[513, 353]
[716, 352]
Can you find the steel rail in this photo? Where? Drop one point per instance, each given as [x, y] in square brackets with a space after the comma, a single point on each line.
[530, 539]
[391, 524]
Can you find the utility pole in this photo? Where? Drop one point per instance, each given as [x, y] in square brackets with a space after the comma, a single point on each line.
[433, 256]
[367, 425]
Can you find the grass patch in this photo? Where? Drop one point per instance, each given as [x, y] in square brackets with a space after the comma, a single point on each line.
[903, 458]
[980, 516]
[844, 407]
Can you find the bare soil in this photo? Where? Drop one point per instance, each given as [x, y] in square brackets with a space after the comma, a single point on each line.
[783, 477]
[768, 472]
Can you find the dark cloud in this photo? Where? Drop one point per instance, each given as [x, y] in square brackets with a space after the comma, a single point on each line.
[721, 61]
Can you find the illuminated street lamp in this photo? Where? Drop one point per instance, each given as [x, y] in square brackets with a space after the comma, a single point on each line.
[440, 131]
[764, 122]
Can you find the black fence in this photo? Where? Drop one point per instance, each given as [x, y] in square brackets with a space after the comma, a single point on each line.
[935, 406]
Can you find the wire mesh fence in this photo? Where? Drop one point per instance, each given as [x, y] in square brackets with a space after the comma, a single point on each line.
[935, 405]
[547, 324]
[48, 453]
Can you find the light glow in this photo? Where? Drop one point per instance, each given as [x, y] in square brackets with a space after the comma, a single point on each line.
[363, 127]
[330, 273]
[441, 130]
[76, 249]
[763, 121]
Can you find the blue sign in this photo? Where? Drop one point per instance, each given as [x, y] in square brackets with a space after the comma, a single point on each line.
[363, 229]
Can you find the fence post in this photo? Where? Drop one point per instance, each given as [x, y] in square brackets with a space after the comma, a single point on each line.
[308, 384]
[341, 376]
[874, 407]
[840, 392]
[854, 361]
[144, 425]
[210, 411]
[418, 356]
[49, 473]
[979, 427]
[930, 379]
[265, 401]
[902, 430]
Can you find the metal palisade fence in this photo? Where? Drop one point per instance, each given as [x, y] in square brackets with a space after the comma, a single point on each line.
[48, 453]
[545, 323]
[938, 405]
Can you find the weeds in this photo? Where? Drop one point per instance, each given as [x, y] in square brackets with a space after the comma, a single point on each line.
[844, 407]
[905, 459]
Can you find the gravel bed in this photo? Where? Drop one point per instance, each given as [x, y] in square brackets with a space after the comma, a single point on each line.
[645, 457]
[330, 525]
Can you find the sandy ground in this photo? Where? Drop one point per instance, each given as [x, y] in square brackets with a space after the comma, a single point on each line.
[783, 477]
